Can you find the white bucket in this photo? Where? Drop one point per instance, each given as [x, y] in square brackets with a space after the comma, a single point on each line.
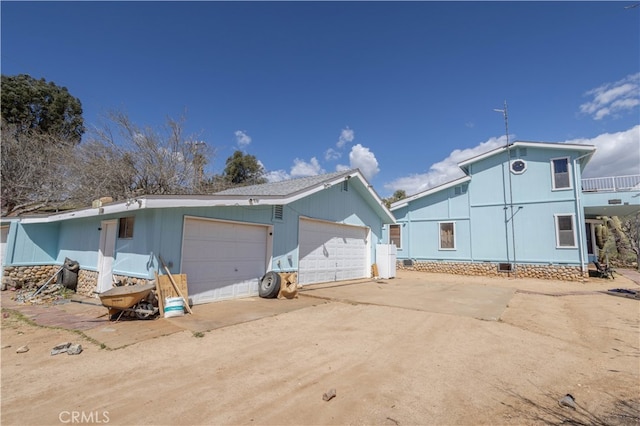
[173, 307]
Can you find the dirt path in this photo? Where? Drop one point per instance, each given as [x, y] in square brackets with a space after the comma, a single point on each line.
[388, 365]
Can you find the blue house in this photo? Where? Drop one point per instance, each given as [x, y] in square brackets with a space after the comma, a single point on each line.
[519, 209]
[324, 228]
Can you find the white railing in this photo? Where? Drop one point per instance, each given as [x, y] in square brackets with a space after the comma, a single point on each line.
[611, 184]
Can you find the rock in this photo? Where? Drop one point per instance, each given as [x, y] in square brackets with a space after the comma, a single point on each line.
[74, 349]
[22, 349]
[329, 395]
[63, 347]
[67, 347]
[568, 401]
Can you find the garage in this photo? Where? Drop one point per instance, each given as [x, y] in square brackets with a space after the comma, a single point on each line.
[222, 259]
[330, 251]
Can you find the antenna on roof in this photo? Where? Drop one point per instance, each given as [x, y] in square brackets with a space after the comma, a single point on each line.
[511, 219]
[506, 120]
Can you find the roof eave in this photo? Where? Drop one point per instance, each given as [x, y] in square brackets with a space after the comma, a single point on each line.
[578, 147]
[405, 201]
[163, 201]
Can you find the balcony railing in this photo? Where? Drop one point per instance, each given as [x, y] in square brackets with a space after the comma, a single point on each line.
[611, 184]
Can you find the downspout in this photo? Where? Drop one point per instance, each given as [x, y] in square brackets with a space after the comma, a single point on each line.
[408, 223]
[579, 212]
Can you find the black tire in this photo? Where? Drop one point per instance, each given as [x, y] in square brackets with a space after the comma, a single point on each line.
[147, 306]
[269, 285]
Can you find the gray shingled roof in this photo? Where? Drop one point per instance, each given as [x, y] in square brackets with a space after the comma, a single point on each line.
[284, 187]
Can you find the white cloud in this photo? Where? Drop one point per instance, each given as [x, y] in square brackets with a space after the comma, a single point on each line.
[347, 135]
[362, 158]
[242, 138]
[299, 169]
[617, 154]
[302, 168]
[613, 98]
[443, 171]
[277, 176]
[332, 154]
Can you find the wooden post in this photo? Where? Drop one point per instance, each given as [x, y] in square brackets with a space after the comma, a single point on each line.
[159, 294]
[175, 286]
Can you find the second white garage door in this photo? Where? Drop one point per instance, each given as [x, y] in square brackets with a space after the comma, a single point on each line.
[223, 260]
[331, 252]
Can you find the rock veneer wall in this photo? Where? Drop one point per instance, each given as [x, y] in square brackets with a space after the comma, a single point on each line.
[88, 281]
[24, 276]
[488, 269]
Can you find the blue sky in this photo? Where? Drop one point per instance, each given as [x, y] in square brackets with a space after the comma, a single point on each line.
[402, 90]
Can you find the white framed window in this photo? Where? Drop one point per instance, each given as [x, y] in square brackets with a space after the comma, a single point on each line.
[125, 227]
[395, 235]
[560, 173]
[447, 235]
[565, 231]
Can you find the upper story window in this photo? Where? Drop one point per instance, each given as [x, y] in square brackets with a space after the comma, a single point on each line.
[560, 173]
[447, 236]
[125, 227]
[395, 236]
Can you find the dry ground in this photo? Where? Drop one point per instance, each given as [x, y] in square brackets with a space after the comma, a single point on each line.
[388, 365]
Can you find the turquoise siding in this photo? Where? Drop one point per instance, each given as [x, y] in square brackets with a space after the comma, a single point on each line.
[333, 204]
[599, 199]
[35, 244]
[79, 240]
[487, 227]
[159, 232]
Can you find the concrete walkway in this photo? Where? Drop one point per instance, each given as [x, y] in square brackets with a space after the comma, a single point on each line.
[480, 302]
[631, 274]
[413, 291]
[91, 318]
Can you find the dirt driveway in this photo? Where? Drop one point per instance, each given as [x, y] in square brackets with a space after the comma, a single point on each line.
[422, 362]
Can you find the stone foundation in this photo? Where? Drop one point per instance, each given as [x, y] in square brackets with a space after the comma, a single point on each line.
[87, 281]
[24, 276]
[487, 269]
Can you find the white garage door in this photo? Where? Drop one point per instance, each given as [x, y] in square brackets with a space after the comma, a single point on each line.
[223, 260]
[332, 252]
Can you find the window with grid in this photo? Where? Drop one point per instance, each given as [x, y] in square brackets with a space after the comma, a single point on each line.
[395, 235]
[447, 236]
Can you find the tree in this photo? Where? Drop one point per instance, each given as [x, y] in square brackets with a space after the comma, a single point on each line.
[244, 169]
[397, 196]
[123, 160]
[31, 105]
[33, 169]
[625, 231]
